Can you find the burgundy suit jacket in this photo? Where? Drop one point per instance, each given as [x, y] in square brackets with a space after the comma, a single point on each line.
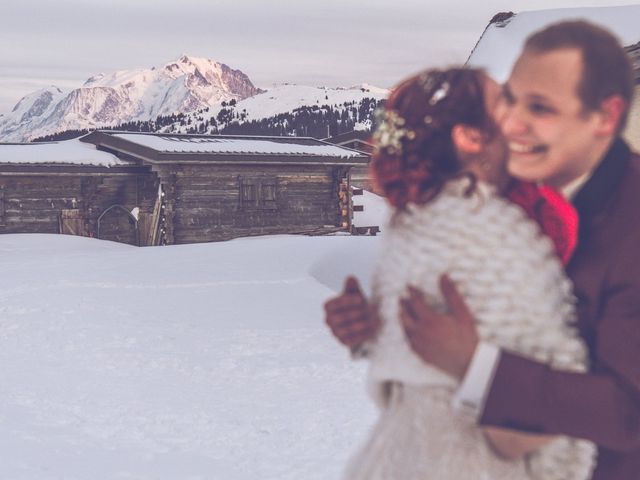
[603, 405]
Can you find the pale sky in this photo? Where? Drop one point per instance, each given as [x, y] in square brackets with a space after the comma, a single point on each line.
[328, 42]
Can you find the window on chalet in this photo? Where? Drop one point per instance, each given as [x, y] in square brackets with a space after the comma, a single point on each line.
[258, 193]
[268, 194]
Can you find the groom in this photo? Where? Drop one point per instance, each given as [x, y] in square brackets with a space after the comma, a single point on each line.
[564, 108]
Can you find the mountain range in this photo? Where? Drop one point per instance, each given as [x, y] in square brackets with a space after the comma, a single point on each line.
[181, 86]
[187, 95]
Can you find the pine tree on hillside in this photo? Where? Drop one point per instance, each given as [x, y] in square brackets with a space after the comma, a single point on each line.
[317, 121]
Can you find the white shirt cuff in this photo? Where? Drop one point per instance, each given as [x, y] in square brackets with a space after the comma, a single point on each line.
[474, 388]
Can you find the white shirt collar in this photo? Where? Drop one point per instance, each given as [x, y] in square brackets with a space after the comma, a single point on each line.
[570, 190]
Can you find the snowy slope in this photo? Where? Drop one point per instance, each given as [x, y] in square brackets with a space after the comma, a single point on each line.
[286, 98]
[499, 47]
[181, 86]
[206, 361]
[283, 99]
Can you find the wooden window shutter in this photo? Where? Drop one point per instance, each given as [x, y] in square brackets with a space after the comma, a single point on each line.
[248, 197]
[268, 193]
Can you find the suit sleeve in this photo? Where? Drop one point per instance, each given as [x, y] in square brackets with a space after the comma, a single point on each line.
[601, 407]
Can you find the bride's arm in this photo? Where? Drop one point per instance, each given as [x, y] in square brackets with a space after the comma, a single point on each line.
[511, 445]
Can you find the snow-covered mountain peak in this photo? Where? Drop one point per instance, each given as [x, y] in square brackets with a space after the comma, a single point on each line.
[119, 78]
[107, 99]
[31, 109]
[188, 65]
[95, 79]
[42, 95]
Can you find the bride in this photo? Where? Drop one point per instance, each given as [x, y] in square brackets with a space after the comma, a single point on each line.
[441, 163]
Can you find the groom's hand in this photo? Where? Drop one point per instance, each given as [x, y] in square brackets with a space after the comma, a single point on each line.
[350, 317]
[446, 341]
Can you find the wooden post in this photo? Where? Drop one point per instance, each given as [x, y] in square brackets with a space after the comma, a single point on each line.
[154, 224]
[344, 195]
[168, 183]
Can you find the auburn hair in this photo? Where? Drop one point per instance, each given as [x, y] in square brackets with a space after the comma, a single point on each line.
[422, 158]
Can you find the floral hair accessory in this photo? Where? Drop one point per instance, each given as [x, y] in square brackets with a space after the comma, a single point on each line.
[391, 131]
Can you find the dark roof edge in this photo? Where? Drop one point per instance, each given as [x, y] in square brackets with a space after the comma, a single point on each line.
[201, 135]
[100, 139]
[164, 158]
[69, 169]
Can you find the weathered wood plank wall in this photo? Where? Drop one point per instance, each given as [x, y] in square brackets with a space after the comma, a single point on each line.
[202, 203]
[34, 203]
[205, 202]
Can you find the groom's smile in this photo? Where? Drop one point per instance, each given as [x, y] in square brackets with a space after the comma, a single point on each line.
[517, 148]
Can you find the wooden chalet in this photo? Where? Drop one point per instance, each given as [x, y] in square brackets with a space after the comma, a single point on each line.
[151, 189]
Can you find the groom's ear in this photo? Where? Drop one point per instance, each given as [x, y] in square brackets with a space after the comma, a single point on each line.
[467, 139]
[611, 111]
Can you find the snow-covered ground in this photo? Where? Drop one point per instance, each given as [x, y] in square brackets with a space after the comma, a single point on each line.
[206, 361]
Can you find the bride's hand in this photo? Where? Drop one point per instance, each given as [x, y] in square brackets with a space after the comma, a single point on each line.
[445, 340]
[511, 445]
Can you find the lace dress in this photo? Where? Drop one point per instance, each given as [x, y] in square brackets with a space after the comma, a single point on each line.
[514, 284]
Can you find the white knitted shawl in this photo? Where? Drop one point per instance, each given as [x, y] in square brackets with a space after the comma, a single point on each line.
[512, 281]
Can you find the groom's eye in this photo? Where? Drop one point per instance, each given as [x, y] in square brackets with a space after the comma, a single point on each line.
[540, 108]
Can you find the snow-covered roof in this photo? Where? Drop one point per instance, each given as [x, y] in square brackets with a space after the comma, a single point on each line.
[502, 41]
[158, 148]
[237, 145]
[69, 152]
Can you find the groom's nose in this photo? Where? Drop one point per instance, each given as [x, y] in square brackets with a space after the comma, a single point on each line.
[511, 120]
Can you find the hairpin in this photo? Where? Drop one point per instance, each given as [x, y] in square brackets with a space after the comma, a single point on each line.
[439, 94]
